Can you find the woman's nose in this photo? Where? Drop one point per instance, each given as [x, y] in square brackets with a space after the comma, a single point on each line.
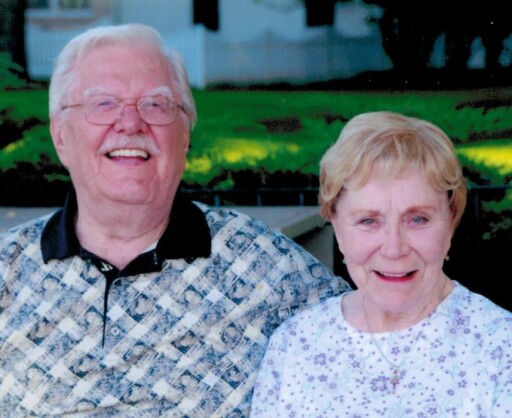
[394, 244]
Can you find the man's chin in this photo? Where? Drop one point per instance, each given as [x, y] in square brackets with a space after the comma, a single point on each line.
[125, 195]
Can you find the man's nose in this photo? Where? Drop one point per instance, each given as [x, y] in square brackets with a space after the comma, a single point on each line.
[130, 121]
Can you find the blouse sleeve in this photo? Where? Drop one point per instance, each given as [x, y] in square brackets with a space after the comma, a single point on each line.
[502, 405]
[266, 398]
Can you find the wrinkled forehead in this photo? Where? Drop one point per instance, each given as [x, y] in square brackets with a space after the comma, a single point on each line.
[388, 168]
[131, 70]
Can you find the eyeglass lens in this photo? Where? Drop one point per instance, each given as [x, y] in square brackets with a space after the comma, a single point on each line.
[154, 110]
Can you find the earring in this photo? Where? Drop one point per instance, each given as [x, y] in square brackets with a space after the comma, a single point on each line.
[446, 257]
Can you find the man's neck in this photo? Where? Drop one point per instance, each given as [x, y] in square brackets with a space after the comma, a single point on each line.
[119, 233]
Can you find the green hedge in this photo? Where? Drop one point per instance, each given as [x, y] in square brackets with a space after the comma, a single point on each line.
[250, 138]
[272, 131]
[274, 139]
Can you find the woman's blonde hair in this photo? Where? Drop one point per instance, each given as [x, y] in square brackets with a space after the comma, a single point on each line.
[394, 141]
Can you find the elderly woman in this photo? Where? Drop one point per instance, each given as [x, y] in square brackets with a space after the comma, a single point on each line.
[409, 342]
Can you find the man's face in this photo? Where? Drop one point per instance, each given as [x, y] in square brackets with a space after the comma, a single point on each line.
[105, 163]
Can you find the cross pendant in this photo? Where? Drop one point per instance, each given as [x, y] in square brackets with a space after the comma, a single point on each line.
[394, 380]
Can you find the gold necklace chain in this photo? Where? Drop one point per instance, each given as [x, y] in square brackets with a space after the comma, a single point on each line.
[396, 368]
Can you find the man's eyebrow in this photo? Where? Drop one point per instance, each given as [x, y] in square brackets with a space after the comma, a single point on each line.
[162, 90]
[95, 90]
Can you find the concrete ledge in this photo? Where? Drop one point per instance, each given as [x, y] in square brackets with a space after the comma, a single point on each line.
[303, 224]
[293, 221]
[12, 216]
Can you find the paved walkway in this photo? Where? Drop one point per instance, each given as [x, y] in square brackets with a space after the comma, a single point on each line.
[291, 220]
[301, 223]
[10, 216]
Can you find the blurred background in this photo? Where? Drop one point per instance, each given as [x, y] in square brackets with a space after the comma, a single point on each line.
[274, 82]
[267, 41]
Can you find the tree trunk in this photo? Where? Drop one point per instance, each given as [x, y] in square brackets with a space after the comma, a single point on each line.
[12, 31]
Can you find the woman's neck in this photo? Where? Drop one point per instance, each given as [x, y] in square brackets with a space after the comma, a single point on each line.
[369, 317]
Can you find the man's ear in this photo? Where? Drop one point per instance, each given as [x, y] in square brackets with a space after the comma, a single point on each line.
[186, 139]
[56, 131]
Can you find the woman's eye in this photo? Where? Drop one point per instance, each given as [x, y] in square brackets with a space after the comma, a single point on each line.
[367, 221]
[419, 220]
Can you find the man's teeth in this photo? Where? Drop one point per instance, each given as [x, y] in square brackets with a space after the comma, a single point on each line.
[129, 153]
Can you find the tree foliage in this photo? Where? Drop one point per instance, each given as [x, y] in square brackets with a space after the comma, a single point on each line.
[409, 30]
[11, 74]
[12, 31]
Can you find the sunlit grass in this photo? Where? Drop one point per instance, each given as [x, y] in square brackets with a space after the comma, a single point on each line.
[251, 152]
[233, 132]
[30, 148]
[231, 154]
[498, 156]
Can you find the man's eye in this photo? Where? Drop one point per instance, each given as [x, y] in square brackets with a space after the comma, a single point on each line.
[153, 104]
[367, 221]
[104, 104]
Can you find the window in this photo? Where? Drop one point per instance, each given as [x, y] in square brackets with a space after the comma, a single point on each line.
[38, 4]
[206, 12]
[59, 4]
[73, 4]
[59, 8]
[319, 13]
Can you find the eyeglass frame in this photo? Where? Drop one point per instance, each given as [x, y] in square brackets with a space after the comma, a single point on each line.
[122, 106]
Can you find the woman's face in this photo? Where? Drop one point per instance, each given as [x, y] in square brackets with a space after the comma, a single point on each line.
[394, 234]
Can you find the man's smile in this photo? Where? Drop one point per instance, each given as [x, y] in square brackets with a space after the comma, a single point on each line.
[128, 153]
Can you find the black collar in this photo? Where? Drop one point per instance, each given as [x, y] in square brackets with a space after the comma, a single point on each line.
[187, 237]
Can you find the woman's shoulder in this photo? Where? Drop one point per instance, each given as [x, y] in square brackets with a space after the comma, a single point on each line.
[328, 311]
[479, 307]
[470, 298]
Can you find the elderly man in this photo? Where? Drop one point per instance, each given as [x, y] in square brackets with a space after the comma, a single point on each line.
[133, 300]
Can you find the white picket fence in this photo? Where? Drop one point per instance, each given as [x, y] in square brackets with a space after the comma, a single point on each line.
[212, 59]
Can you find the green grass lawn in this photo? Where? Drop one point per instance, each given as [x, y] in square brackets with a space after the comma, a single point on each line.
[272, 131]
[285, 131]
[267, 139]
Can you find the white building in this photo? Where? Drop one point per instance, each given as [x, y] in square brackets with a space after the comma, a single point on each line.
[257, 41]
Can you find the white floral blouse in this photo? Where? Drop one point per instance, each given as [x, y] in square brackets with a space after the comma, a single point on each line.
[457, 362]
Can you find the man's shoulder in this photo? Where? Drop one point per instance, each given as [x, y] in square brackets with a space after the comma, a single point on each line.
[221, 211]
[238, 229]
[222, 217]
[15, 240]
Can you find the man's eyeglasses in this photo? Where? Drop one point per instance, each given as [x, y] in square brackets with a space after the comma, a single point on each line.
[107, 110]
